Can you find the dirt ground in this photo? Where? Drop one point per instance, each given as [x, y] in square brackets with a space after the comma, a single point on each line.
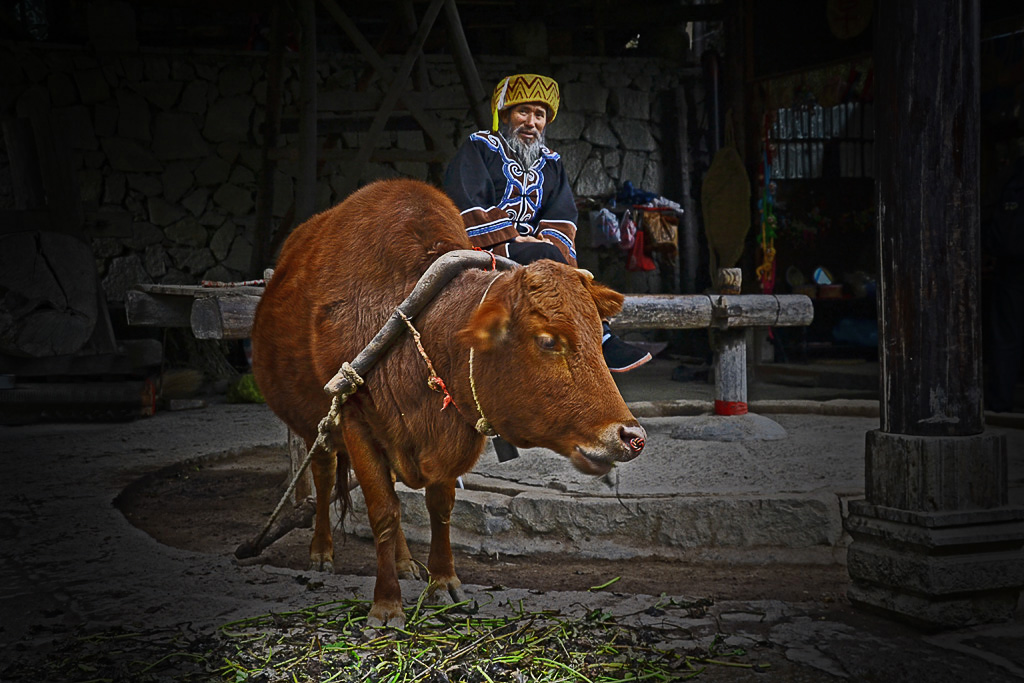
[214, 506]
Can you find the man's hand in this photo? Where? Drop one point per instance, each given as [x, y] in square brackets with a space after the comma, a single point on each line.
[527, 238]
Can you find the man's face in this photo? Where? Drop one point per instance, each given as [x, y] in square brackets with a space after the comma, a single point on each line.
[526, 120]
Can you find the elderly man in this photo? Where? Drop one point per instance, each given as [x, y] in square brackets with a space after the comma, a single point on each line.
[514, 193]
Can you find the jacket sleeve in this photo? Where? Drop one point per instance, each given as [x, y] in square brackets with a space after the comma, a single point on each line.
[468, 182]
[557, 217]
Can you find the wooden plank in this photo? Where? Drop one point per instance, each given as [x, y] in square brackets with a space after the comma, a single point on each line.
[198, 290]
[223, 317]
[157, 310]
[385, 155]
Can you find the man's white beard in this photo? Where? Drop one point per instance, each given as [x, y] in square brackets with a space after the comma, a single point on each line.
[526, 152]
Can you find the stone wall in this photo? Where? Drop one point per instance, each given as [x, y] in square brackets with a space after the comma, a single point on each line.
[166, 143]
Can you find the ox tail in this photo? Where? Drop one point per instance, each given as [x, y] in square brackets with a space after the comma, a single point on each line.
[341, 487]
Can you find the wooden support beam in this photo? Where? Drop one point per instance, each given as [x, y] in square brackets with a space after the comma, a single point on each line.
[429, 123]
[466, 67]
[424, 156]
[398, 85]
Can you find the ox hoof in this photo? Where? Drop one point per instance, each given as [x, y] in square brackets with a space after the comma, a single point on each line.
[446, 591]
[408, 569]
[321, 563]
[386, 614]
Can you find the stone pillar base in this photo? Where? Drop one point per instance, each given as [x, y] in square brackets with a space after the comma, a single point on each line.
[937, 570]
[935, 543]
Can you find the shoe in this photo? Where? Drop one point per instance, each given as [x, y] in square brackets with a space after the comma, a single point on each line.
[621, 356]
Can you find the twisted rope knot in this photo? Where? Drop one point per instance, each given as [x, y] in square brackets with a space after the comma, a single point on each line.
[483, 425]
[354, 380]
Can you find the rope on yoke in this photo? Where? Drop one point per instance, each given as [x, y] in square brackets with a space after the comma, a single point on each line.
[322, 444]
[483, 425]
[347, 380]
[434, 381]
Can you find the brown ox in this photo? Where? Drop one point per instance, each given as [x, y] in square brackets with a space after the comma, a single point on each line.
[538, 369]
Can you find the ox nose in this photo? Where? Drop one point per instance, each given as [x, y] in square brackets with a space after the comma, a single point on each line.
[633, 438]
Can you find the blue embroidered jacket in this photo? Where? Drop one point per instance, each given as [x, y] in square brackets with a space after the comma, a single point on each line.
[499, 199]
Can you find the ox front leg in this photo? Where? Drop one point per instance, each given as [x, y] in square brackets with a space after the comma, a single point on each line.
[384, 512]
[321, 550]
[440, 500]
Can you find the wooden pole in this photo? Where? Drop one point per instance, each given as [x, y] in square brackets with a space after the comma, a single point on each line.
[689, 224]
[305, 190]
[261, 256]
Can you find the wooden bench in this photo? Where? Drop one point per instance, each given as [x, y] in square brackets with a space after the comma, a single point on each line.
[227, 313]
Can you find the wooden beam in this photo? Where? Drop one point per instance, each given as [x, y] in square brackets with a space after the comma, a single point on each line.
[429, 123]
[398, 85]
[157, 310]
[383, 155]
[409, 24]
[466, 67]
[696, 311]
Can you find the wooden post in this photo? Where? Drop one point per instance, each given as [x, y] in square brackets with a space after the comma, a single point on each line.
[935, 541]
[305, 190]
[297, 451]
[688, 227]
[730, 353]
[261, 256]
[731, 372]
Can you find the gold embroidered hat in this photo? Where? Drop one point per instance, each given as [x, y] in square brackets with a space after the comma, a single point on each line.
[520, 88]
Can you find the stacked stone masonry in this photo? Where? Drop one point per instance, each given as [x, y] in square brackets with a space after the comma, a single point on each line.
[166, 144]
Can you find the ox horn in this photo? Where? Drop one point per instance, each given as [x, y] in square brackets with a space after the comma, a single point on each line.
[587, 273]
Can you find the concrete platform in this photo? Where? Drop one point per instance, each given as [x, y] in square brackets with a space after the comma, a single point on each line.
[69, 559]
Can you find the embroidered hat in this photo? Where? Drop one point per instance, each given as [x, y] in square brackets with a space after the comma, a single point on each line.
[520, 88]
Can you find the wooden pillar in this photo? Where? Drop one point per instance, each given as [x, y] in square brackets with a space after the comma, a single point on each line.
[688, 226]
[261, 253]
[934, 541]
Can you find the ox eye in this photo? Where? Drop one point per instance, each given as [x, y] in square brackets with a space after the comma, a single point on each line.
[545, 342]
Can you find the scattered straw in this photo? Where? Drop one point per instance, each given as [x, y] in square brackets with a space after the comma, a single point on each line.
[330, 641]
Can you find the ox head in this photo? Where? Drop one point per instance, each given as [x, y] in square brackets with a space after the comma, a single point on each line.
[539, 370]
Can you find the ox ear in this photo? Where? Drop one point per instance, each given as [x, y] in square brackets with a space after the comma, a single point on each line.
[609, 302]
[487, 326]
